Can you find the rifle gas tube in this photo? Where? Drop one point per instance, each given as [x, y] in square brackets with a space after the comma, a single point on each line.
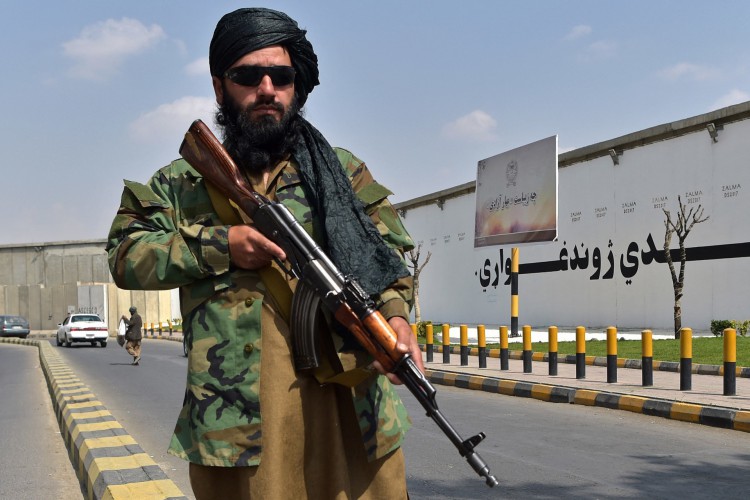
[321, 281]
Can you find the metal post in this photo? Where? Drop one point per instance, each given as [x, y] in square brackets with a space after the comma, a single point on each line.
[552, 359]
[611, 355]
[464, 345]
[503, 347]
[580, 352]
[647, 358]
[527, 349]
[514, 292]
[730, 362]
[430, 342]
[482, 341]
[686, 359]
[446, 344]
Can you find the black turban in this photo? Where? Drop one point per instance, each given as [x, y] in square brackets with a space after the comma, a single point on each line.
[352, 240]
[247, 30]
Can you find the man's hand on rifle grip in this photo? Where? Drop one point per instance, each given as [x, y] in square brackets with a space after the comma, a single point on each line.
[407, 343]
[249, 249]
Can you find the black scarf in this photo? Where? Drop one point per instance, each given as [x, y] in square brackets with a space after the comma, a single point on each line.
[353, 241]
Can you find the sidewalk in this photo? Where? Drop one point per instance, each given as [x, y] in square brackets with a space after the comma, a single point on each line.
[704, 403]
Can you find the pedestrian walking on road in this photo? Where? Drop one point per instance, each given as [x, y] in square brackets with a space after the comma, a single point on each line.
[133, 334]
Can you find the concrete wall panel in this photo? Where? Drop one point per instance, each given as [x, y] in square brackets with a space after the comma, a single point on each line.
[70, 268]
[100, 270]
[19, 267]
[6, 266]
[54, 268]
[85, 269]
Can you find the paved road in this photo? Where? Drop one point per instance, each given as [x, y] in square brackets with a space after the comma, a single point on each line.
[536, 449]
[145, 399]
[33, 459]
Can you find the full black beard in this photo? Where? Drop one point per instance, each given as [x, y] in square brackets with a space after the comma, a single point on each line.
[255, 145]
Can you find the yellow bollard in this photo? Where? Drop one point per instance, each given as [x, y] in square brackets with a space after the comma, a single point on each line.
[503, 347]
[730, 362]
[580, 352]
[514, 291]
[611, 355]
[464, 345]
[686, 359]
[482, 341]
[527, 348]
[647, 358]
[413, 329]
[430, 342]
[446, 343]
[552, 356]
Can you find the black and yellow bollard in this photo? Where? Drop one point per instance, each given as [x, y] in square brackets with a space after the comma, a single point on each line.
[552, 357]
[464, 345]
[611, 355]
[482, 341]
[503, 347]
[580, 352]
[152, 330]
[527, 349]
[647, 358]
[413, 329]
[171, 328]
[430, 342]
[514, 292]
[446, 343]
[686, 359]
[730, 362]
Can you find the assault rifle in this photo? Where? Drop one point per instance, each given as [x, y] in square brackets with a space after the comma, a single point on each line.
[320, 281]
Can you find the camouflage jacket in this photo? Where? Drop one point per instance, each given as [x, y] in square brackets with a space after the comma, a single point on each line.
[167, 234]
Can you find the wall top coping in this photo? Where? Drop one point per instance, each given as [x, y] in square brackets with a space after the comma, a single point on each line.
[68, 243]
[719, 118]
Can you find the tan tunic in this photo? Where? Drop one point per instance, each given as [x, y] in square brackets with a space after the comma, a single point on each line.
[309, 432]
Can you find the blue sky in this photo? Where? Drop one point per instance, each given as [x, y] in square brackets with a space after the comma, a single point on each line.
[97, 91]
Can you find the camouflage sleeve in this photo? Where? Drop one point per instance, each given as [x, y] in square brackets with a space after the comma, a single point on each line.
[152, 247]
[398, 298]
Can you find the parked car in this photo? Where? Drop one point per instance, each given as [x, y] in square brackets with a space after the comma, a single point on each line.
[14, 326]
[82, 328]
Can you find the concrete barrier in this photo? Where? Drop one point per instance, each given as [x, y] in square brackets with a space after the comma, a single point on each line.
[109, 463]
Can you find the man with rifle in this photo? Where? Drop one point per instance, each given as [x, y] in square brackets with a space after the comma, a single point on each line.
[251, 426]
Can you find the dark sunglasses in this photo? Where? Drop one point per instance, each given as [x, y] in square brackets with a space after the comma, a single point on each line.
[250, 76]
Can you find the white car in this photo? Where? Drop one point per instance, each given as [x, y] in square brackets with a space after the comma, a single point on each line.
[82, 328]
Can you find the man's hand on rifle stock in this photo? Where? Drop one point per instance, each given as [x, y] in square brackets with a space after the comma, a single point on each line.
[407, 343]
[249, 249]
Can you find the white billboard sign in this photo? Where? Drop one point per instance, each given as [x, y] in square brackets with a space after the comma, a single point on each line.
[516, 196]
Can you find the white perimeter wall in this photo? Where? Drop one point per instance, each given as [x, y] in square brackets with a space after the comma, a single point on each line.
[612, 208]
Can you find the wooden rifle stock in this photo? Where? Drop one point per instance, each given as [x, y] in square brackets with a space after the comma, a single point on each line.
[206, 154]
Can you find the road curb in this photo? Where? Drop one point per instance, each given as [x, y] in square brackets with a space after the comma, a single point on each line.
[109, 463]
[726, 418]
